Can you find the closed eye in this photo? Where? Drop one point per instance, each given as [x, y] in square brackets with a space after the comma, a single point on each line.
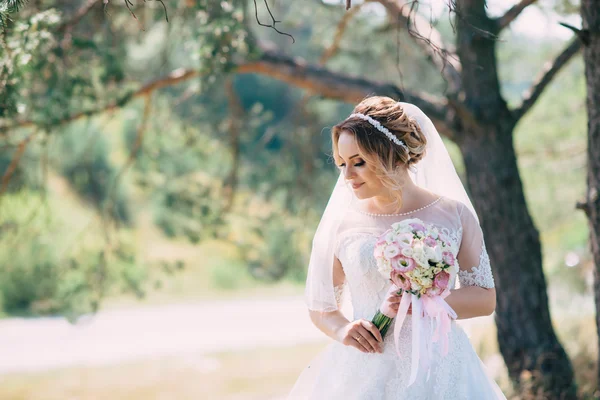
[359, 164]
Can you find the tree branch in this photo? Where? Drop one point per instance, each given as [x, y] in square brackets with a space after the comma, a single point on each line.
[110, 210]
[545, 77]
[513, 13]
[15, 162]
[337, 86]
[236, 113]
[296, 72]
[428, 38]
[339, 34]
[173, 78]
[82, 12]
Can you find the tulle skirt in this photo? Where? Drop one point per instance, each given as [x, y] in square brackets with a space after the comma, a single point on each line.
[342, 372]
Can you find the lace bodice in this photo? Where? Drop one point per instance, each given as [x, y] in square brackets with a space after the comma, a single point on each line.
[358, 235]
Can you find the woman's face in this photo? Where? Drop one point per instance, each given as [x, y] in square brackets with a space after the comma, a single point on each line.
[365, 183]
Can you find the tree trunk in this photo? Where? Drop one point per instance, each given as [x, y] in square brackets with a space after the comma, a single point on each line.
[590, 13]
[536, 361]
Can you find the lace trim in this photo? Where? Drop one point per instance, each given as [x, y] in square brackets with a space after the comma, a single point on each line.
[478, 276]
[338, 291]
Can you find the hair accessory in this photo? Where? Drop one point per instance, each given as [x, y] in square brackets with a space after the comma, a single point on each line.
[382, 129]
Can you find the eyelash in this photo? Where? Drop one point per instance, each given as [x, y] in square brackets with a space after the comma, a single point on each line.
[360, 164]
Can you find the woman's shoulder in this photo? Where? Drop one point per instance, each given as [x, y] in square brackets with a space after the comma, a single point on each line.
[456, 205]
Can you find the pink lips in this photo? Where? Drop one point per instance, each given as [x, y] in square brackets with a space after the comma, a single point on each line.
[356, 186]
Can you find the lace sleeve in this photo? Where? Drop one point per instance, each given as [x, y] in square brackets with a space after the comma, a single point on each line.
[339, 291]
[473, 259]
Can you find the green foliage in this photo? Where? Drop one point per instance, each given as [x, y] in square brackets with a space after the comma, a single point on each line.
[273, 243]
[22, 49]
[8, 7]
[230, 274]
[83, 158]
[46, 267]
[285, 173]
[28, 170]
[191, 207]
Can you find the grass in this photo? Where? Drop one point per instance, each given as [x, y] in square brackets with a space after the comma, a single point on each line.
[244, 375]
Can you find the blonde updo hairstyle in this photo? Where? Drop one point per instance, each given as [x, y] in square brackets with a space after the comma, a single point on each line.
[385, 158]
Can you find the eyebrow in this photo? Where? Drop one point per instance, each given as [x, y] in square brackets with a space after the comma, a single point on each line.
[356, 155]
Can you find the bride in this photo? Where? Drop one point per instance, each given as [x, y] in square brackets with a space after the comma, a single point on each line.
[393, 166]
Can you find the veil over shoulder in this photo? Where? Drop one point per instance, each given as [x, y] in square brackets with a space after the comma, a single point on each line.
[435, 172]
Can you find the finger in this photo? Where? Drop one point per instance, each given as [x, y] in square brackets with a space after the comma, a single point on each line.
[371, 340]
[373, 330]
[361, 344]
[367, 340]
[355, 340]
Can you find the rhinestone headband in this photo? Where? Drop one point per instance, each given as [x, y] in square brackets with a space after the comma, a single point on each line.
[381, 129]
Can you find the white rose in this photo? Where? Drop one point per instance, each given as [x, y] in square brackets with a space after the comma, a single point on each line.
[426, 282]
[438, 254]
[423, 261]
[384, 267]
[390, 237]
[407, 252]
[430, 253]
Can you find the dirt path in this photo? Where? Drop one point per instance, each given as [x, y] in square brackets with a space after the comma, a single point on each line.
[121, 335]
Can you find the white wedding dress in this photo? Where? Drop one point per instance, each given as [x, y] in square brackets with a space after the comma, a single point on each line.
[344, 373]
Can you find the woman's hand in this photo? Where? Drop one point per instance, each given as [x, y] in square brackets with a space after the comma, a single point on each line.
[393, 301]
[362, 335]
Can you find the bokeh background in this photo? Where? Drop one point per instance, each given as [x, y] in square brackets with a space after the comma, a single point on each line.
[158, 199]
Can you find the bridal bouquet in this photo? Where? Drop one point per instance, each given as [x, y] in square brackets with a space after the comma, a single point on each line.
[419, 260]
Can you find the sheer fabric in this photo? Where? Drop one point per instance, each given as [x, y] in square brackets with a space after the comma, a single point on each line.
[342, 372]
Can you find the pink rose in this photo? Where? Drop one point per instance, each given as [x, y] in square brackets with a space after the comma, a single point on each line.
[445, 240]
[429, 241]
[448, 258]
[400, 280]
[403, 264]
[441, 280]
[417, 227]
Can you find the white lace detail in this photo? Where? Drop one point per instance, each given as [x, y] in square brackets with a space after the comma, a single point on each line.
[338, 291]
[454, 236]
[480, 275]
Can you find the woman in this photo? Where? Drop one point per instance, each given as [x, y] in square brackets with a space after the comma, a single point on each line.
[393, 166]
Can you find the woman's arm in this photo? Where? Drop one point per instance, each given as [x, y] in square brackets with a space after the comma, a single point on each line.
[477, 295]
[337, 327]
[472, 301]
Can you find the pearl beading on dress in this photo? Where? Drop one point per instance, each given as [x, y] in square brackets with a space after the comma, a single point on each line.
[404, 213]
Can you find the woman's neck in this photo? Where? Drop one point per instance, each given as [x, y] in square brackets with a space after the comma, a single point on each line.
[413, 197]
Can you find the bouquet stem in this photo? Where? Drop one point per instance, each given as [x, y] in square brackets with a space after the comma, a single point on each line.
[382, 322]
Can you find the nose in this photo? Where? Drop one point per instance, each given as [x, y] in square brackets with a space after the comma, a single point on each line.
[348, 172]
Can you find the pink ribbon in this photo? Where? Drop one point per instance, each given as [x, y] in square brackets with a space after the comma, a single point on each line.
[427, 309]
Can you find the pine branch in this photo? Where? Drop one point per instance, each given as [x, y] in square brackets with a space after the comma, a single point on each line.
[8, 7]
